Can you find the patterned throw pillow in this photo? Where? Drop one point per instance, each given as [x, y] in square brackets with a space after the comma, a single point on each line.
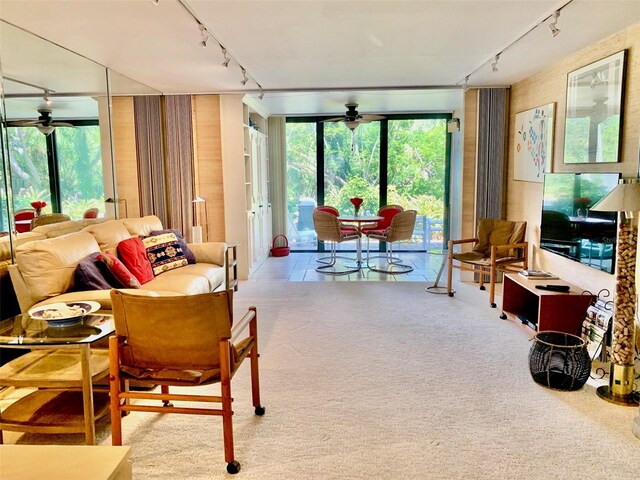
[164, 252]
[90, 276]
[117, 268]
[134, 256]
[185, 249]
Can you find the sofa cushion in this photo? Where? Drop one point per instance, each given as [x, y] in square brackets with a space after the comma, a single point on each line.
[185, 249]
[118, 270]
[134, 256]
[108, 234]
[142, 226]
[48, 266]
[179, 282]
[19, 239]
[90, 276]
[164, 252]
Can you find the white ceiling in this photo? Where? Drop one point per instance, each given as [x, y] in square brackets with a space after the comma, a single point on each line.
[292, 48]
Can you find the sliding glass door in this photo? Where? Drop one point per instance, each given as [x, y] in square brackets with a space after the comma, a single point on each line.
[402, 160]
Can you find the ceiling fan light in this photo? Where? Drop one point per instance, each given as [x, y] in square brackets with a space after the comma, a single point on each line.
[46, 129]
[351, 124]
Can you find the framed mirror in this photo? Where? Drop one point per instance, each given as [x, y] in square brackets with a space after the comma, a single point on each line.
[595, 100]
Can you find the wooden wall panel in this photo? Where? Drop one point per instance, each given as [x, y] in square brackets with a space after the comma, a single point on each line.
[524, 199]
[124, 150]
[208, 180]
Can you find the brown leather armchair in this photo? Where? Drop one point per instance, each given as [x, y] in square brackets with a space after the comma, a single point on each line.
[498, 246]
[180, 341]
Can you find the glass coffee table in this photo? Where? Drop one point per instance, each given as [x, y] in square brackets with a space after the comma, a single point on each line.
[61, 367]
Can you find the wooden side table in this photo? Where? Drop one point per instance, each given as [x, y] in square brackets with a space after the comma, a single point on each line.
[232, 265]
[63, 367]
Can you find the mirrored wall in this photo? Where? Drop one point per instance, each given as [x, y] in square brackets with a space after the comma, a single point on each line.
[57, 152]
[56, 140]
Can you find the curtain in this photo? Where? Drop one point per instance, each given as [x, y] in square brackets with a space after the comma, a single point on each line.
[164, 149]
[492, 131]
[179, 163]
[278, 174]
[150, 153]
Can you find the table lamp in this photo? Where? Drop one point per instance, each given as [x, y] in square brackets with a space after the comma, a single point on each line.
[625, 199]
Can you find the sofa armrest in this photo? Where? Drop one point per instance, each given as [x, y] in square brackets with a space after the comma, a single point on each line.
[209, 252]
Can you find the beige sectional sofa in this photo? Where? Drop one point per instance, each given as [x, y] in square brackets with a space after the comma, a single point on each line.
[44, 269]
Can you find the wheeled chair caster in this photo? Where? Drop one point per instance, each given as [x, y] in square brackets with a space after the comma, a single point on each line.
[482, 287]
[233, 467]
[493, 305]
[503, 316]
[450, 294]
[260, 410]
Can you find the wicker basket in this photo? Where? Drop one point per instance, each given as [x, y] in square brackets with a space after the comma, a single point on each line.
[281, 251]
[559, 360]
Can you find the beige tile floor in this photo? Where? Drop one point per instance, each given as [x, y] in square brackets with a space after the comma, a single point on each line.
[300, 267]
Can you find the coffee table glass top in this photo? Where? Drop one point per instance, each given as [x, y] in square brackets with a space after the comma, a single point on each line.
[24, 330]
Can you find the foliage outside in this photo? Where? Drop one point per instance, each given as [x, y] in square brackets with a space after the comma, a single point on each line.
[79, 168]
[416, 153]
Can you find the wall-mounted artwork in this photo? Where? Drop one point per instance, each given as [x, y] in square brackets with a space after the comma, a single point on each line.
[593, 125]
[533, 143]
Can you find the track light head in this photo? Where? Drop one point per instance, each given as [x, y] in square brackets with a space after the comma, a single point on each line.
[494, 64]
[204, 34]
[155, 2]
[46, 99]
[245, 79]
[226, 61]
[261, 95]
[552, 24]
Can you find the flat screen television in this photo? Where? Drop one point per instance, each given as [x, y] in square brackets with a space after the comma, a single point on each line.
[569, 228]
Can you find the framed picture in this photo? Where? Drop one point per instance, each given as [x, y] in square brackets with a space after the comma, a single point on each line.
[593, 123]
[533, 145]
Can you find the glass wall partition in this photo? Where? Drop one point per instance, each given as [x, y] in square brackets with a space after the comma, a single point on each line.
[403, 159]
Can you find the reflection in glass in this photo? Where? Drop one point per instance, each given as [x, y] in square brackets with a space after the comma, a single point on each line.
[29, 167]
[80, 169]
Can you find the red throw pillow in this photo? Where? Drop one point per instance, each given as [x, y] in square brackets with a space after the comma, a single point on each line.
[118, 270]
[134, 256]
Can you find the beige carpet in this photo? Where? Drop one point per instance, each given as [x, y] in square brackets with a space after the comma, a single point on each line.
[379, 380]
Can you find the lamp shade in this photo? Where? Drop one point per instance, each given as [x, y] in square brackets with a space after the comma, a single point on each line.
[624, 198]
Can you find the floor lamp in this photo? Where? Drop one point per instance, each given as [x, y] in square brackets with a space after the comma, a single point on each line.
[625, 199]
[196, 230]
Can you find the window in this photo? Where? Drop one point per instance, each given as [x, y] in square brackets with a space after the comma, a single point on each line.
[64, 168]
[403, 160]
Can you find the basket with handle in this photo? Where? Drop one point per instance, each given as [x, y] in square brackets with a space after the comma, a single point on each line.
[281, 251]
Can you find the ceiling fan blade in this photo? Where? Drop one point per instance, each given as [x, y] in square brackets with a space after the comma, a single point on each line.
[336, 119]
[372, 117]
[61, 124]
[22, 123]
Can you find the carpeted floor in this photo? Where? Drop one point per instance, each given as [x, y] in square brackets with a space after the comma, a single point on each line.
[385, 381]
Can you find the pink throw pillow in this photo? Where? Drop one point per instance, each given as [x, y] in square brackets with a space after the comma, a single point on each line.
[118, 270]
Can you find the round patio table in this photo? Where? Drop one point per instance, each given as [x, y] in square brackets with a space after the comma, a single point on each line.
[359, 220]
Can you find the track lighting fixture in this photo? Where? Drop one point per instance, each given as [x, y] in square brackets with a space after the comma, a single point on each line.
[494, 64]
[226, 61]
[465, 83]
[155, 2]
[245, 79]
[47, 100]
[552, 24]
[205, 36]
[261, 95]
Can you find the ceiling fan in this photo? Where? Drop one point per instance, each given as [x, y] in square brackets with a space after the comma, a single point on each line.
[352, 118]
[44, 123]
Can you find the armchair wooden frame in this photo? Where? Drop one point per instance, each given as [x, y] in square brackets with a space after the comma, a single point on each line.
[488, 266]
[121, 397]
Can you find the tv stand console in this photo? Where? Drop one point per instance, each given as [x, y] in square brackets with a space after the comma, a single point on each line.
[541, 310]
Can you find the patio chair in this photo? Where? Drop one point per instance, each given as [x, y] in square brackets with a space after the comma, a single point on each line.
[180, 341]
[400, 229]
[329, 229]
[348, 229]
[48, 218]
[91, 213]
[498, 247]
